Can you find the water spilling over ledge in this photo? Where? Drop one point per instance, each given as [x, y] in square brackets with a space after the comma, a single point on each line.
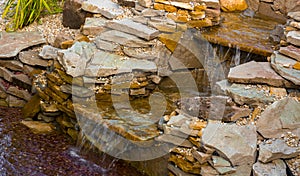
[122, 86]
[245, 33]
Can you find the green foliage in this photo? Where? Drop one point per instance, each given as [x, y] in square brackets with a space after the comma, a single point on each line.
[24, 12]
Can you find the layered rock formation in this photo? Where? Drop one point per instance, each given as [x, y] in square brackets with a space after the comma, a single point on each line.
[16, 84]
[118, 84]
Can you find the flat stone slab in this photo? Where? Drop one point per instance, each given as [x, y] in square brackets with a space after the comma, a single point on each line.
[182, 5]
[215, 4]
[291, 51]
[12, 43]
[295, 24]
[6, 74]
[32, 58]
[15, 102]
[129, 124]
[22, 81]
[14, 65]
[237, 143]
[106, 64]
[145, 53]
[244, 94]
[49, 52]
[276, 167]
[107, 46]
[257, 73]
[93, 26]
[283, 66]
[294, 15]
[77, 90]
[15, 91]
[178, 141]
[106, 8]
[148, 13]
[246, 33]
[293, 37]
[275, 150]
[134, 28]
[124, 39]
[38, 127]
[279, 118]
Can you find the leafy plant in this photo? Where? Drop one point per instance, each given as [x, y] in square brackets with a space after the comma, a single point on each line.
[24, 12]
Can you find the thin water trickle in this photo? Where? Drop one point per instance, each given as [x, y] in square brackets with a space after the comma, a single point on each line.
[237, 57]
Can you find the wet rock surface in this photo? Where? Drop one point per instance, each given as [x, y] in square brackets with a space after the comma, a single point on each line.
[243, 37]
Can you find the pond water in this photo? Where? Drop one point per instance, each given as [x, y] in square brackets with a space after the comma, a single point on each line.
[25, 153]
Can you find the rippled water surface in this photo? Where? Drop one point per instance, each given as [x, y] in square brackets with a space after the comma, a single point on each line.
[25, 153]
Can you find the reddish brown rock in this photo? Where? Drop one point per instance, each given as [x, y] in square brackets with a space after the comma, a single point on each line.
[73, 16]
[12, 43]
[257, 73]
[127, 3]
[265, 9]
